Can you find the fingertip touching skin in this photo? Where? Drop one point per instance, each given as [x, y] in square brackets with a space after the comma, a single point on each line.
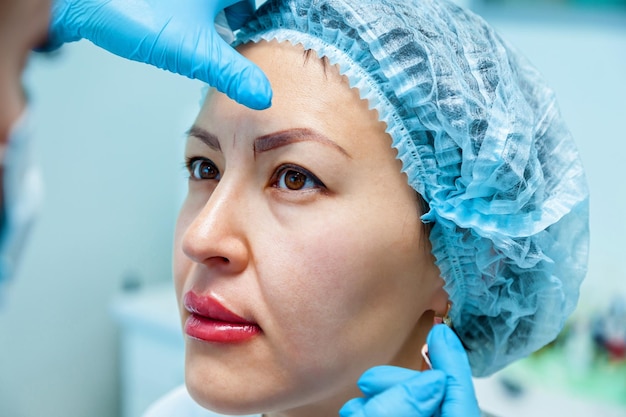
[286, 223]
[239, 79]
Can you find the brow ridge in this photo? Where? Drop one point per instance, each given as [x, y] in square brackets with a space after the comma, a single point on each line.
[289, 136]
[205, 136]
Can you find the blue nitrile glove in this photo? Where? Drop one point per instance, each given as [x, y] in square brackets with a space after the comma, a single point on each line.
[178, 36]
[447, 354]
[446, 391]
[397, 392]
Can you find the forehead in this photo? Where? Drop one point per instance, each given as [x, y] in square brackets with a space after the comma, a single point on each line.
[285, 64]
[307, 93]
[301, 81]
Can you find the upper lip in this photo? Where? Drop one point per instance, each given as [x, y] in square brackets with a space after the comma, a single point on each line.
[208, 306]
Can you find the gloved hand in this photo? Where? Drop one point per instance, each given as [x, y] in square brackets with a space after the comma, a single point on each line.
[178, 36]
[446, 391]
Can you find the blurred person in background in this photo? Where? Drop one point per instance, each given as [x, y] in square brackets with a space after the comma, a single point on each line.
[175, 36]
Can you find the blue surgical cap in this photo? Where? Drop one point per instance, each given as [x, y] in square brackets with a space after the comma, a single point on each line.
[481, 139]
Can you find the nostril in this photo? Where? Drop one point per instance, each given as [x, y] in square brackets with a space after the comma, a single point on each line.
[217, 261]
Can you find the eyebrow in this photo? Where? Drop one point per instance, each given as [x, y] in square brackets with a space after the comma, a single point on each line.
[287, 137]
[205, 136]
[270, 141]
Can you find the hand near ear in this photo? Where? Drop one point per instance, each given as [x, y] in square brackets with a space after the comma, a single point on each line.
[446, 391]
[447, 354]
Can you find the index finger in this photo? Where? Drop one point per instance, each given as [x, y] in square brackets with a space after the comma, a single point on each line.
[448, 355]
[231, 73]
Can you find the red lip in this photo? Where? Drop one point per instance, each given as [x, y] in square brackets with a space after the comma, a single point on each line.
[212, 322]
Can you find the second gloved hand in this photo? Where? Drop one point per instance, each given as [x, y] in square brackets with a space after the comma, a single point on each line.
[446, 391]
[397, 392]
[178, 36]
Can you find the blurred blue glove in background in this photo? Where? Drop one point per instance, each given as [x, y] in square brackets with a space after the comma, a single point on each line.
[179, 36]
[446, 391]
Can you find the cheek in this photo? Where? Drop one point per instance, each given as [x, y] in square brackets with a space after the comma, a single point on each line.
[181, 262]
[338, 285]
[300, 278]
[309, 300]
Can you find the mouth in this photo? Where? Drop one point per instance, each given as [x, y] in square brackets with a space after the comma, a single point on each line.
[210, 321]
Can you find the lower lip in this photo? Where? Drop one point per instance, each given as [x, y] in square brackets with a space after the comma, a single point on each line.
[216, 331]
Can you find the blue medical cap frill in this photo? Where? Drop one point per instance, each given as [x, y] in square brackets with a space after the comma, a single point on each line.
[481, 139]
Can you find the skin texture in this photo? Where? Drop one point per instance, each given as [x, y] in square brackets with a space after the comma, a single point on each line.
[338, 276]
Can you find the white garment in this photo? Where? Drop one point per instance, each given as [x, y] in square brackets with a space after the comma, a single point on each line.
[178, 403]
[22, 190]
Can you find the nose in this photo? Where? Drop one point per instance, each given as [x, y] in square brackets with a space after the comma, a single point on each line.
[216, 237]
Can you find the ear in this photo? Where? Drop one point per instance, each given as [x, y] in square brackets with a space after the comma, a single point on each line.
[439, 302]
[439, 298]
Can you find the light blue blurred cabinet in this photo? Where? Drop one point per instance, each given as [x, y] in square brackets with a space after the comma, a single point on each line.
[151, 347]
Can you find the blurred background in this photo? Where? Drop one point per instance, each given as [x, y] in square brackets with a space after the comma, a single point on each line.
[90, 325]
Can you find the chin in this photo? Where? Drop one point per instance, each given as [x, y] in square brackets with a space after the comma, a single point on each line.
[229, 403]
[245, 399]
[230, 395]
[236, 387]
[222, 384]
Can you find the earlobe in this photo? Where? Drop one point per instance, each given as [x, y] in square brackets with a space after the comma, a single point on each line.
[441, 307]
[441, 304]
[443, 318]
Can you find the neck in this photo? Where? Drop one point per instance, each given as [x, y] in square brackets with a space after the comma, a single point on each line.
[329, 407]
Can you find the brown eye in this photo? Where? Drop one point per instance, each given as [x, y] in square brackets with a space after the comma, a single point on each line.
[203, 169]
[295, 178]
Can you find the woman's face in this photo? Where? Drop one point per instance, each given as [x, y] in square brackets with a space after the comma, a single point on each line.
[299, 222]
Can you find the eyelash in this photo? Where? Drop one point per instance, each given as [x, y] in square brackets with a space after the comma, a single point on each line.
[194, 163]
[277, 178]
